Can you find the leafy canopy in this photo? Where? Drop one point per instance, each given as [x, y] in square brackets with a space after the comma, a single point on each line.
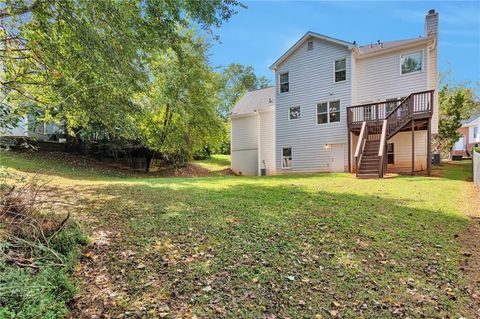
[83, 63]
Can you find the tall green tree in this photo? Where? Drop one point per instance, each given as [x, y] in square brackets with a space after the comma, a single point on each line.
[178, 113]
[236, 80]
[82, 61]
[455, 104]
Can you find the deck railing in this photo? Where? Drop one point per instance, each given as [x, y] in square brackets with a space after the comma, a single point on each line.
[418, 103]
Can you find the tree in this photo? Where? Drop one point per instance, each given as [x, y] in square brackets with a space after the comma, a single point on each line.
[82, 61]
[178, 113]
[236, 80]
[455, 104]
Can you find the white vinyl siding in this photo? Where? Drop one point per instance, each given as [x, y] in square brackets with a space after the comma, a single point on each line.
[244, 145]
[432, 84]
[267, 141]
[403, 151]
[310, 78]
[474, 138]
[378, 77]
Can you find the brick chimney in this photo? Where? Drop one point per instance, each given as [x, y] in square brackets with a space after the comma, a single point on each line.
[431, 23]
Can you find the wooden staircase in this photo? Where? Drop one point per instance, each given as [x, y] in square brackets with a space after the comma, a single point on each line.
[379, 123]
[369, 166]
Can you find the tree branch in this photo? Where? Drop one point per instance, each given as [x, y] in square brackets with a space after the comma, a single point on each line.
[18, 11]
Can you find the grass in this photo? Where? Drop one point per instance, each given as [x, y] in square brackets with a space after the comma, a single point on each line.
[307, 246]
[215, 163]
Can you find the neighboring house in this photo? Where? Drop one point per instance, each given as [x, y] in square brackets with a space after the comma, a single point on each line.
[469, 137]
[26, 127]
[343, 107]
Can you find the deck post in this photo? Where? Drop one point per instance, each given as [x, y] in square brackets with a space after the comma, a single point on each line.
[413, 147]
[349, 151]
[429, 148]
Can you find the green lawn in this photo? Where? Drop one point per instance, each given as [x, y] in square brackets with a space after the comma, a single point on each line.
[307, 246]
[215, 163]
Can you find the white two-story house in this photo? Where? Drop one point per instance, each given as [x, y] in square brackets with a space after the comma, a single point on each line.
[341, 107]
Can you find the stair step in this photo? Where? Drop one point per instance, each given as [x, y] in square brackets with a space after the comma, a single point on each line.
[366, 176]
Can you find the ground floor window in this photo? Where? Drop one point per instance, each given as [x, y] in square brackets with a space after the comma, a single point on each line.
[390, 154]
[286, 157]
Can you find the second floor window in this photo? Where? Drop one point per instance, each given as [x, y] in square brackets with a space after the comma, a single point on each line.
[328, 112]
[284, 82]
[340, 70]
[294, 113]
[411, 62]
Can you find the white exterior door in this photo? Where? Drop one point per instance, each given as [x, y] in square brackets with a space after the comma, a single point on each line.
[337, 158]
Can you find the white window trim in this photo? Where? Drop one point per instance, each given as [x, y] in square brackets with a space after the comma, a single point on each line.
[280, 84]
[328, 112]
[288, 115]
[346, 78]
[281, 157]
[407, 53]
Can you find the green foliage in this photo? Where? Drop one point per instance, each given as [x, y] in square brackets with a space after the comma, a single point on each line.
[44, 292]
[236, 80]
[177, 116]
[25, 295]
[83, 62]
[455, 104]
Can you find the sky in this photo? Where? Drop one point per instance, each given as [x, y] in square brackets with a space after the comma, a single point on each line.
[260, 34]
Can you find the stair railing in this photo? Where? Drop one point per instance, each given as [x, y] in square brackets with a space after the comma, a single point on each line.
[362, 138]
[415, 103]
[382, 150]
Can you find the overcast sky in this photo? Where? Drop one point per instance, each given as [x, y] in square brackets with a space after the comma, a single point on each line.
[261, 33]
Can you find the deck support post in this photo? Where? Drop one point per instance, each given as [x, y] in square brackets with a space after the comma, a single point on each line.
[349, 151]
[413, 147]
[429, 148]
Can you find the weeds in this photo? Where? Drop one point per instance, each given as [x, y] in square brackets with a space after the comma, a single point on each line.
[38, 250]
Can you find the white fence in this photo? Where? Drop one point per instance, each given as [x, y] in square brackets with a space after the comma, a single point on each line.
[476, 168]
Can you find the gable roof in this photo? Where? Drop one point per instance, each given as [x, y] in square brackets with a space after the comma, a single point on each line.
[256, 100]
[306, 37]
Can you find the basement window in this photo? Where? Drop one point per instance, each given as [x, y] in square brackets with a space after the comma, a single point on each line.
[284, 82]
[390, 154]
[286, 157]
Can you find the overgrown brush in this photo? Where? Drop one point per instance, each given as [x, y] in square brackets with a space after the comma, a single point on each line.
[39, 248]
